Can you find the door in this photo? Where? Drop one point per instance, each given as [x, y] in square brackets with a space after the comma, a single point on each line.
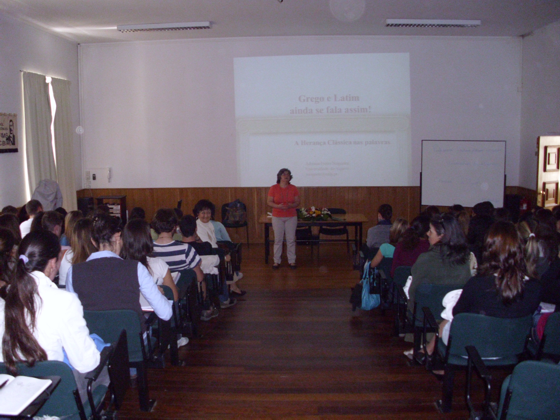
[548, 171]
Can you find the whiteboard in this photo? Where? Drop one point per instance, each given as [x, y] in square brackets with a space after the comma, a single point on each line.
[463, 172]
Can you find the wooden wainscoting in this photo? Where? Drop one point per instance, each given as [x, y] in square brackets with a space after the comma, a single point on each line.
[365, 200]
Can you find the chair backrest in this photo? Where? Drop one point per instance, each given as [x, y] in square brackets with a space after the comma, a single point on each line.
[534, 389]
[401, 275]
[492, 337]
[385, 266]
[234, 213]
[62, 402]
[551, 336]
[109, 324]
[334, 210]
[431, 296]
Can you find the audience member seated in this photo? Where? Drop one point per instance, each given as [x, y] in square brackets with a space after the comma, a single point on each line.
[9, 210]
[455, 209]
[502, 214]
[137, 245]
[479, 225]
[211, 257]
[387, 250]
[542, 252]
[54, 222]
[81, 247]
[431, 212]
[378, 234]
[7, 252]
[180, 256]
[446, 262]
[106, 281]
[37, 320]
[10, 221]
[69, 222]
[209, 230]
[31, 208]
[70, 218]
[137, 213]
[413, 243]
[464, 219]
[502, 288]
[22, 214]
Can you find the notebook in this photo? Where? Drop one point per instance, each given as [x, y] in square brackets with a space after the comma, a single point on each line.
[18, 392]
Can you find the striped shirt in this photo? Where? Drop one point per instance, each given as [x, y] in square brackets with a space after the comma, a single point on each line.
[178, 255]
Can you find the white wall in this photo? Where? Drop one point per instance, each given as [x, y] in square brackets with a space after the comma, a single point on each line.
[161, 114]
[541, 96]
[24, 47]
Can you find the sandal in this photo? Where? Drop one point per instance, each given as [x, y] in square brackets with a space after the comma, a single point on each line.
[293, 266]
[240, 293]
[275, 266]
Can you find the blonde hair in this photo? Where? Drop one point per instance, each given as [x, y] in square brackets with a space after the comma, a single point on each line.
[397, 229]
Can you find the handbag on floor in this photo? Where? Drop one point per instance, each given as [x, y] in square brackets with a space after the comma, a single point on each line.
[365, 295]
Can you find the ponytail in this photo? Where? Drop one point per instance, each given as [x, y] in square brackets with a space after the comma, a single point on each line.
[18, 343]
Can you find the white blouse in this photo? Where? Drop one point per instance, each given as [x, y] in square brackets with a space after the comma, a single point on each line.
[60, 324]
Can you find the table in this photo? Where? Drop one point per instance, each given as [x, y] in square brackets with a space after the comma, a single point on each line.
[351, 219]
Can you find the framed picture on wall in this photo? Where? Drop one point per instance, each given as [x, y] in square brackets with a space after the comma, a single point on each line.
[9, 138]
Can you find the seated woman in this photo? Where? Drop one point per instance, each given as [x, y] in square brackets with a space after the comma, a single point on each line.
[81, 247]
[211, 257]
[448, 259]
[38, 321]
[387, 250]
[10, 221]
[412, 244]
[209, 230]
[106, 281]
[138, 245]
[7, 248]
[502, 288]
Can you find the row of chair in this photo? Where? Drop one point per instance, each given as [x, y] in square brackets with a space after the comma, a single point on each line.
[131, 348]
[498, 341]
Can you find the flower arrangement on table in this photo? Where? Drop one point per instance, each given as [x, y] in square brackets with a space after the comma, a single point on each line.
[312, 213]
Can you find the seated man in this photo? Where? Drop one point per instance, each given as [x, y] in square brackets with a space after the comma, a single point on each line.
[379, 234]
[106, 281]
[32, 208]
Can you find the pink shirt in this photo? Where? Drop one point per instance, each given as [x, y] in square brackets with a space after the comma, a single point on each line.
[283, 196]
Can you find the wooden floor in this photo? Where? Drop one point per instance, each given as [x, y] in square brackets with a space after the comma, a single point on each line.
[293, 349]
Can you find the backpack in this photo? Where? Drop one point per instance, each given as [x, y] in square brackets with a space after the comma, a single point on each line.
[235, 213]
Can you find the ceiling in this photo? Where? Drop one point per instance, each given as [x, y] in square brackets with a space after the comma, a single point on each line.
[89, 21]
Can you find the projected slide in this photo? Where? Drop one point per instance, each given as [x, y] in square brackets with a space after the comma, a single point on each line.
[334, 120]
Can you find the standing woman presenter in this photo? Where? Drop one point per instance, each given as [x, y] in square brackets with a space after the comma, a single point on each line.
[283, 197]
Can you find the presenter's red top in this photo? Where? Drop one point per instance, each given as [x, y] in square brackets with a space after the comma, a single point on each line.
[283, 196]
